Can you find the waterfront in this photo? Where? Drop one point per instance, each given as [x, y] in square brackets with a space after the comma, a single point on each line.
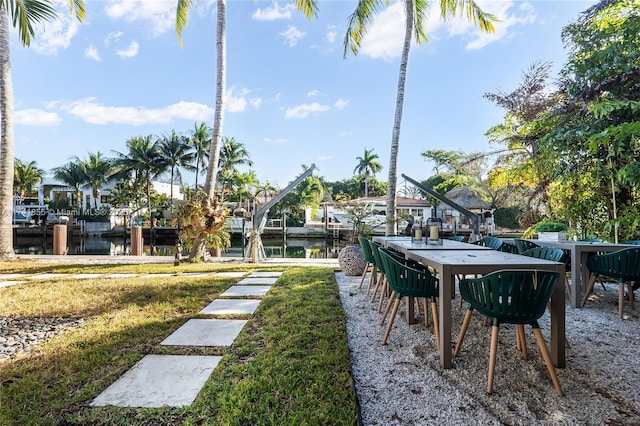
[301, 248]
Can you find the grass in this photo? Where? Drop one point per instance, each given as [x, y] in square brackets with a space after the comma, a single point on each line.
[289, 366]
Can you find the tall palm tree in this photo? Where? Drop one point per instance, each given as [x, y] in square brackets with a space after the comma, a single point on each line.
[175, 152]
[232, 155]
[24, 15]
[98, 171]
[71, 174]
[416, 13]
[367, 166]
[201, 142]
[141, 162]
[26, 177]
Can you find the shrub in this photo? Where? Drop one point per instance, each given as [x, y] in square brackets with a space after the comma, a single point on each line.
[550, 227]
[507, 217]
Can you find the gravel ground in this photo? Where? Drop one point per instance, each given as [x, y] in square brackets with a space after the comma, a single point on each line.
[403, 383]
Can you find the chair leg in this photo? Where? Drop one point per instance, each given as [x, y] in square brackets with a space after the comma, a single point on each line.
[364, 274]
[393, 317]
[425, 307]
[381, 278]
[436, 323]
[463, 330]
[388, 307]
[373, 278]
[492, 357]
[523, 341]
[630, 291]
[587, 293]
[621, 299]
[384, 294]
[547, 360]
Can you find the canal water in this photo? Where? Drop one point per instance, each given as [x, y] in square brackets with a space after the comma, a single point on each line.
[309, 248]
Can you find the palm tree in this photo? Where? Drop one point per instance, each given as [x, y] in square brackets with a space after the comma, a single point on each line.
[367, 165]
[97, 172]
[308, 7]
[232, 154]
[26, 177]
[24, 15]
[201, 143]
[141, 162]
[175, 152]
[72, 175]
[416, 13]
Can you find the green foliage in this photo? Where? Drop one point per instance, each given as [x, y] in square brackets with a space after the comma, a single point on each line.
[359, 215]
[550, 227]
[507, 217]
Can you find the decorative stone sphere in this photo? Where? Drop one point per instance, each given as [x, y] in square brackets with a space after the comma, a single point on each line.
[351, 260]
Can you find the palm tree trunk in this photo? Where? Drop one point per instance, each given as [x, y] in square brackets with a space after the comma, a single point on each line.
[6, 141]
[395, 137]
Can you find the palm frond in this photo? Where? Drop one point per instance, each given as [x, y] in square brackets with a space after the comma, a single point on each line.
[473, 12]
[308, 7]
[182, 13]
[420, 16]
[358, 24]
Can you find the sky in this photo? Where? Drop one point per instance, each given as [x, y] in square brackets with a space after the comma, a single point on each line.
[292, 97]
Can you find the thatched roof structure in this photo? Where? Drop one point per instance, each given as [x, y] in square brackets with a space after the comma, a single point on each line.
[465, 197]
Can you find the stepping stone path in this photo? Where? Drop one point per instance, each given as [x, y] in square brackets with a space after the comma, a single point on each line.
[175, 380]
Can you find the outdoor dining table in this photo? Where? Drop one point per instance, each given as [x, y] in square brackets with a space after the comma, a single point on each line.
[580, 250]
[449, 263]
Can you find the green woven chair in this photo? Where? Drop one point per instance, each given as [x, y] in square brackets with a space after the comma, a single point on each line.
[547, 253]
[371, 262]
[622, 266]
[509, 297]
[382, 275]
[508, 248]
[488, 241]
[524, 245]
[459, 238]
[410, 282]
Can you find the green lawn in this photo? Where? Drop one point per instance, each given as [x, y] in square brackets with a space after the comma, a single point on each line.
[289, 366]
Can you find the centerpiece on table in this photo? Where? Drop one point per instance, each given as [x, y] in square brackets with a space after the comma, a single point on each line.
[551, 231]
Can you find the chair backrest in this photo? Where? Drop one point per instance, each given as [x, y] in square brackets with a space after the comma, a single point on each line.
[406, 281]
[376, 256]
[508, 248]
[633, 242]
[622, 265]
[366, 250]
[510, 296]
[492, 242]
[524, 245]
[547, 253]
[457, 238]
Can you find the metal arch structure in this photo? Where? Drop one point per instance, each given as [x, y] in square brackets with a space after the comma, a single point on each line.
[474, 217]
[255, 248]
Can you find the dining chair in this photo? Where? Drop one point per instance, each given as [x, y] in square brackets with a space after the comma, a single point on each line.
[524, 245]
[622, 266]
[489, 241]
[508, 248]
[459, 238]
[410, 282]
[509, 297]
[371, 262]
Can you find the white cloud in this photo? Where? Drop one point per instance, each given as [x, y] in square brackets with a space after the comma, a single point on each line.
[292, 35]
[313, 93]
[255, 102]
[273, 13]
[95, 113]
[325, 157]
[340, 104]
[58, 33]
[305, 110]
[238, 102]
[114, 35]
[502, 10]
[160, 15]
[385, 36]
[130, 51]
[92, 53]
[332, 34]
[276, 141]
[36, 117]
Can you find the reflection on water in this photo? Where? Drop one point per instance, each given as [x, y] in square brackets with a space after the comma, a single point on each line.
[312, 248]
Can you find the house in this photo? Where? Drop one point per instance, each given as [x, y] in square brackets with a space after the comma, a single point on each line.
[467, 198]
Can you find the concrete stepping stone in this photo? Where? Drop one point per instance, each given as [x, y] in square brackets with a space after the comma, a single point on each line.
[11, 276]
[158, 380]
[206, 332]
[230, 274]
[85, 276]
[265, 274]
[47, 276]
[253, 281]
[231, 307]
[121, 275]
[246, 290]
[10, 283]
[194, 274]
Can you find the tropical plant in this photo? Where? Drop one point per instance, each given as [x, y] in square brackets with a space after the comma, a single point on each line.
[367, 166]
[202, 217]
[175, 152]
[200, 141]
[308, 7]
[232, 155]
[71, 174]
[97, 172]
[416, 13]
[547, 226]
[24, 15]
[26, 177]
